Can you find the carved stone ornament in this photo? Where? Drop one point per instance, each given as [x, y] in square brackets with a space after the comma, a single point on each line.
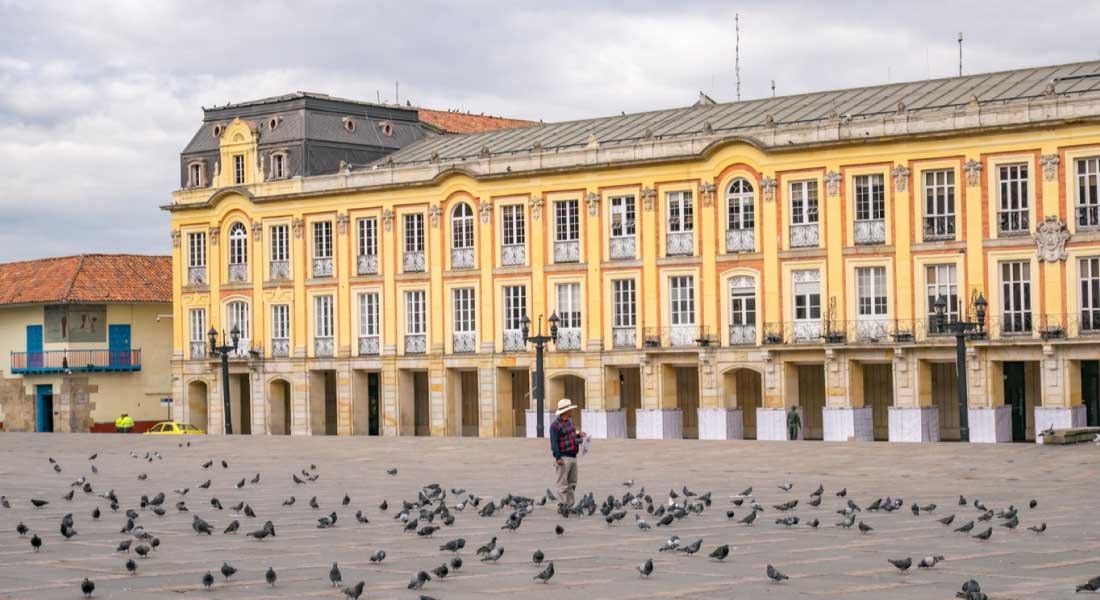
[175, 238]
[973, 170]
[832, 183]
[214, 231]
[1050, 239]
[257, 231]
[593, 202]
[648, 196]
[768, 184]
[536, 207]
[1050, 163]
[434, 212]
[387, 219]
[486, 211]
[707, 191]
[342, 222]
[297, 225]
[901, 178]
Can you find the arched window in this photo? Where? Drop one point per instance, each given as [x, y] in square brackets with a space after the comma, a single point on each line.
[237, 316]
[739, 205]
[238, 244]
[462, 226]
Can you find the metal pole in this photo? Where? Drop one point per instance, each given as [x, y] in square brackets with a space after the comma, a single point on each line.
[228, 415]
[539, 395]
[960, 367]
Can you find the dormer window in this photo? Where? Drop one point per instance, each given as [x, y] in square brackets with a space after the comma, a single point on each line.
[387, 128]
[274, 122]
[195, 175]
[217, 131]
[349, 124]
[278, 165]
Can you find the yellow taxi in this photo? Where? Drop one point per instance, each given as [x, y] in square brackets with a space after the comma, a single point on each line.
[174, 428]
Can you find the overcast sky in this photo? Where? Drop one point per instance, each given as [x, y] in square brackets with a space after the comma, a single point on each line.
[98, 98]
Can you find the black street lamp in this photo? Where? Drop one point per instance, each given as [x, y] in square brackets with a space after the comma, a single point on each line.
[540, 342]
[961, 329]
[223, 351]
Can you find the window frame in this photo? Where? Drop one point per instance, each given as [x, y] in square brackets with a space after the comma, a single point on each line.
[324, 317]
[1088, 300]
[682, 203]
[805, 203]
[280, 323]
[196, 249]
[514, 306]
[464, 300]
[681, 296]
[622, 217]
[1087, 197]
[870, 197]
[279, 244]
[740, 205]
[322, 239]
[414, 232]
[935, 290]
[1012, 190]
[416, 317]
[367, 232]
[462, 227]
[1016, 306]
[238, 169]
[238, 244]
[569, 307]
[567, 220]
[370, 303]
[940, 202]
[513, 225]
[872, 299]
[197, 327]
[742, 304]
[239, 313]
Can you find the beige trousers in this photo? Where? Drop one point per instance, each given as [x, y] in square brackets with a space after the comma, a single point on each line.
[567, 479]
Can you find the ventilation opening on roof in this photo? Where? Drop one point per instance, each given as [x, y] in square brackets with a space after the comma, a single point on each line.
[349, 124]
[387, 128]
[218, 129]
[274, 122]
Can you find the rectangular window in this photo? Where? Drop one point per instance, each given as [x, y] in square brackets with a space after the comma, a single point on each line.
[280, 321]
[238, 169]
[681, 212]
[625, 314]
[1016, 297]
[682, 299]
[807, 295]
[368, 236]
[622, 216]
[278, 166]
[196, 249]
[569, 305]
[322, 317]
[1090, 293]
[198, 325]
[416, 322]
[871, 291]
[1088, 197]
[743, 306]
[939, 204]
[870, 197]
[515, 306]
[804, 202]
[414, 232]
[465, 311]
[1012, 208]
[368, 314]
[322, 239]
[239, 318]
[515, 233]
[567, 224]
[280, 243]
[939, 283]
[196, 175]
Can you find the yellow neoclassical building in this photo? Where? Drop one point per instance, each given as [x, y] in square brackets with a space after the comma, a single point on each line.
[712, 267]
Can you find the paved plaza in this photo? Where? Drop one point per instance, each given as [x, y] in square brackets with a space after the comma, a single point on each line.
[592, 559]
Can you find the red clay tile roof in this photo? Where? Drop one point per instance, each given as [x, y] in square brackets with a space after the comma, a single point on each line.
[87, 278]
[457, 122]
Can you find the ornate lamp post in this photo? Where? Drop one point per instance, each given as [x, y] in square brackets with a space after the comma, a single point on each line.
[961, 329]
[540, 342]
[223, 351]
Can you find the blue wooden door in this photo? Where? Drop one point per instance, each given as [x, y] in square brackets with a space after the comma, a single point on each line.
[44, 397]
[34, 346]
[118, 340]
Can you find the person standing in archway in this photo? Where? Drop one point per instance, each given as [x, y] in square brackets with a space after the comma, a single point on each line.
[564, 444]
[794, 424]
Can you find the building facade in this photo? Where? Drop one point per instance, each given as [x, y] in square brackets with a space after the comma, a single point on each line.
[85, 339]
[711, 267]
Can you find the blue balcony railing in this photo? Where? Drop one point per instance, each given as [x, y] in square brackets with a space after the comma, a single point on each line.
[76, 361]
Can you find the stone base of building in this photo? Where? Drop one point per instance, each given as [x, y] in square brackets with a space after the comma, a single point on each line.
[848, 424]
[990, 425]
[771, 423]
[658, 424]
[914, 424]
[532, 426]
[721, 424]
[1059, 418]
[604, 424]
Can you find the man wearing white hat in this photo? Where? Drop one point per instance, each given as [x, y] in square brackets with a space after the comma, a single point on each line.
[564, 444]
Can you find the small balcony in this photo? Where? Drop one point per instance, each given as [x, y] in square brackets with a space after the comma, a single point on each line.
[1088, 217]
[280, 348]
[872, 231]
[238, 272]
[795, 332]
[416, 343]
[678, 336]
[366, 264]
[75, 361]
[569, 338]
[464, 341]
[1011, 325]
[513, 255]
[322, 267]
[939, 228]
[513, 341]
[1012, 222]
[324, 347]
[624, 337]
[196, 276]
[369, 345]
[567, 251]
[198, 350]
[280, 269]
[680, 243]
[624, 248]
[462, 258]
[742, 335]
[740, 240]
[804, 236]
[414, 261]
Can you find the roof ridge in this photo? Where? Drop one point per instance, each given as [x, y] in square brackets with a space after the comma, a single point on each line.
[72, 280]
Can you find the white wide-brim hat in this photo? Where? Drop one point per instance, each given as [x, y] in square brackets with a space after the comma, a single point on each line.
[565, 405]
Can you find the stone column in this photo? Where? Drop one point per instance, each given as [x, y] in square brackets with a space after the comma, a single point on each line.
[343, 397]
[989, 419]
[1059, 378]
[665, 421]
[845, 417]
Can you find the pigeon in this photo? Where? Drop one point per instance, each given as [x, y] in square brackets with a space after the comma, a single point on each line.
[21, 529]
[815, 501]
[131, 566]
[721, 552]
[255, 479]
[842, 493]
[537, 557]
[985, 535]
[313, 502]
[546, 574]
[201, 526]
[628, 483]
[124, 546]
[295, 478]
[385, 505]
[666, 520]
[68, 497]
[36, 542]
[334, 575]
[775, 575]
[1012, 523]
[692, 548]
[786, 487]
[1041, 528]
[947, 520]
[142, 550]
[673, 543]
[95, 514]
[346, 501]
[902, 564]
[493, 555]
[391, 472]
[87, 587]
[646, 568]
[378, 556]
[4, 502]
[865, 528]
[225, 465]
[233, 527]
[419, 580]
[354, 591]
[966, 528]
[39, 503]
[428, 530]
[227, 570]
[748, 519]
[260, 534]
[289, 501]
[142, 476]
[216, 503]
[441, 571]
[1091, 585]
[456, 563]
[813, 523]
[206, 465]
[270, 576]
[787, 521]
[558, 529]
[205, 485]
[240, 484]
[929, 561]
[962, 500]
[207, 580]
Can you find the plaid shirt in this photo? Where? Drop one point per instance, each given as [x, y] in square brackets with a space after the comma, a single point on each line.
[563, 439]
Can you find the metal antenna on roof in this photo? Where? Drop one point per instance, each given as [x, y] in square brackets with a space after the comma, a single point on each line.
[773, 88]
[960, 54]
[737, 52]
[396, 96]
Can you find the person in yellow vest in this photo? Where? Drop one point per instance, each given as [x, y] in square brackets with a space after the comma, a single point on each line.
[127, 423]
[118, 424]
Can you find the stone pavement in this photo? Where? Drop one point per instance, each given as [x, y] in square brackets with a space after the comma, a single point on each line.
[593, 560]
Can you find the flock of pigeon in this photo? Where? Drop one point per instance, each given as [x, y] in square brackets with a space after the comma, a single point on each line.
[435, 508]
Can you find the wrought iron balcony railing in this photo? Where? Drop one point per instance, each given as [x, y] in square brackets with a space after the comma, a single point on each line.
[871, 231]
[324, 347]
[322, 267]
[740, 240]
[366, 264]
[569, 338]
[196, 275]
[804, 236]
[464, 341]
[280, 348]
[462, 258]
[75, 361]
[416, 343]
[513, 255]
[624, 337]
[678, 336]
[198, 350]
[624, 248]
[742, 335]
[513, 341]
[238, 272]
[567, 251]
[939, 227]
[369, 345]
[280, 269]
[680, 243]
[414, 261]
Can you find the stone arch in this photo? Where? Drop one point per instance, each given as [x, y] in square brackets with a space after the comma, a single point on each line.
[743, 389]
[567, 384]
[198, 402]
[279, 407]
